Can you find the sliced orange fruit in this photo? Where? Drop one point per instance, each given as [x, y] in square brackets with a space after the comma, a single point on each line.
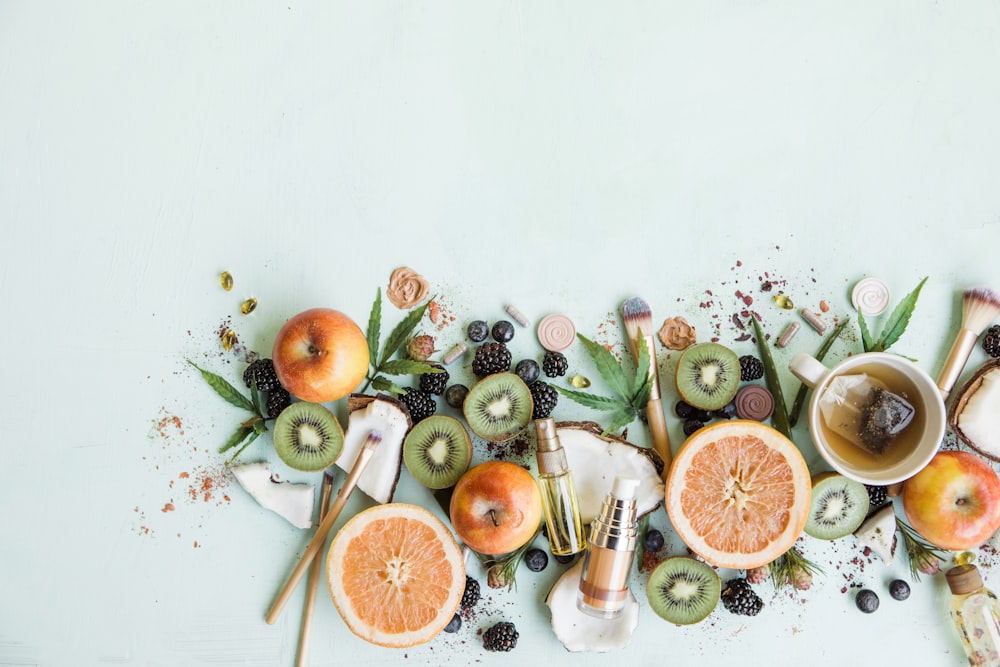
[738, 493]
[396, 575]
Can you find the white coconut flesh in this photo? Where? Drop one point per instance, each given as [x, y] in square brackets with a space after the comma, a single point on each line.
[596, 461]
[294, 502]
[878, 533]
[979, 419]
[579, 632]
[378, 481]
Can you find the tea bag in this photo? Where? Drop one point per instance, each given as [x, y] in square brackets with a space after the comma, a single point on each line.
[864, 411]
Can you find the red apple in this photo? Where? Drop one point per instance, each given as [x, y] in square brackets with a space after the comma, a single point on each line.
[496, 507]
[320, 355]
[954, 502]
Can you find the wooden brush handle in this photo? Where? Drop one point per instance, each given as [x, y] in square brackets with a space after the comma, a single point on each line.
[658, 429]
[303, 655]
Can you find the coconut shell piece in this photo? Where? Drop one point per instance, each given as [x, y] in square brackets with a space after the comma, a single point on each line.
[385, 414]
[974, 413]
[579, 632]
[294, 502]
[596, 460]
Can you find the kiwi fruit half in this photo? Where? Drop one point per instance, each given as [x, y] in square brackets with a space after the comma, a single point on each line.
[498, 407]
[436, 451]
[837, 506]
[683, 590]
[708, 375]
[307, 436]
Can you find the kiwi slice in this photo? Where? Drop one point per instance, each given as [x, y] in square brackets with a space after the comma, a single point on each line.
[683, 590]
[307, 436]
[708, 375]
[837, 506]
[437, 451]
[498, 407]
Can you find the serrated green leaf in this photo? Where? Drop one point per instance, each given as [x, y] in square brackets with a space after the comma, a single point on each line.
[866, 336]
[592, 400]
[409, 367]
[607, 366]
[374, 333]
[384, 384]
[773, 381]
[253, 436]
[640, 400]
[259, 426]
[620, 420]
[643, 371]
[900, 317]
[236, 438]
[402, 331]
[225, 390]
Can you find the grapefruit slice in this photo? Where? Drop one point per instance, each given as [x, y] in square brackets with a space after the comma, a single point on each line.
[396, 575]
[738, 493]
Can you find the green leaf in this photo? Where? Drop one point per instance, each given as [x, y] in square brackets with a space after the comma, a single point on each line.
[225, 390]
[592, 400]
[374, 333]
[620, 420]
[259, 426]
[402, 330]
[641, 397]
[607, 366]
[643, 372]
[236, 438]
[409, 367]
[383, 384]
[773, 381]
[899, 318]
[866, 337]
[800, 395]
[253, 436]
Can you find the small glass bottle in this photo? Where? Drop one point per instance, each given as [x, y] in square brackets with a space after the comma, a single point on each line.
[559, 499]
[610, 553]
[976, 613]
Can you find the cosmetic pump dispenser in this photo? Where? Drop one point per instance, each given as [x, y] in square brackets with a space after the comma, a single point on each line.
[559, 499]
[607, 563]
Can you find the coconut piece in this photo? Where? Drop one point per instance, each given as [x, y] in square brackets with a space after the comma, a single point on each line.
[293, 502]
[974, 415]
[596, 460]
[376, 413]
[580, 632]
[878, 533]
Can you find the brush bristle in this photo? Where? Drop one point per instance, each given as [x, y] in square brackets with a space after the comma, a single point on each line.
[979, 307]
[637, 316]
[374, 439]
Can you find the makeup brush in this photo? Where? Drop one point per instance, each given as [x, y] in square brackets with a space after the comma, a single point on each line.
[979, 308]
[364, 456]
[639, 324]
[313, 581]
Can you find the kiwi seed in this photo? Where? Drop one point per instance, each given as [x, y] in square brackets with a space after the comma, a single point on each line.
[436, 451]
[307, 436]
[837, 506]
[708, 375]
[498, 407]
[683, 590]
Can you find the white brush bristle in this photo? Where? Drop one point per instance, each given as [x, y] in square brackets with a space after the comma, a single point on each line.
[979, 308]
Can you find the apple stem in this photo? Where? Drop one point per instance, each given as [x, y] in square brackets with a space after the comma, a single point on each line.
[493, 517]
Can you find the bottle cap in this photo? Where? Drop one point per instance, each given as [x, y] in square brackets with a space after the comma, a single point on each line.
[551, 456]
[964, 579]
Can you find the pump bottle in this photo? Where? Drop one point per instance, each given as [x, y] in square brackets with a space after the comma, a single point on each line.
[559, 499]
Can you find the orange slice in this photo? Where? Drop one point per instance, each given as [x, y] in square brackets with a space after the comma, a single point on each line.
[396, 575]
[738, 493]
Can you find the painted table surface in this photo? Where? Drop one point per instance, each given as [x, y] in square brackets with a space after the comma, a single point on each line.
[561, 157]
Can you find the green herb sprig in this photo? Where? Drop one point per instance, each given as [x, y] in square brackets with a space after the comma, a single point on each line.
[773, 381]
[248, 430]
[793, 568]
[631, 393]
[383, 364]
[924, 556]
[894, 326]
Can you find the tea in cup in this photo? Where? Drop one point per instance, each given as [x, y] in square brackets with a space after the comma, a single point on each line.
[874, 417]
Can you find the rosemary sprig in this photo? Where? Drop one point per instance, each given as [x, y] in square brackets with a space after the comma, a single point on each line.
[501, 571]
[924, 556]
[248, 430]
[382, 364]
[631, 392]
[793, 568]
[800, 395]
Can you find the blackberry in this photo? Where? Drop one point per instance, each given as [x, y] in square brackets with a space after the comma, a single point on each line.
[877, 496]
[899, 589]
[503, 331]
[455, 395]
[454, 625]
[477, 331]
[420, 404]
[653, 541]
[545, 398]
[536, 560]
[866, 600]
[554, 364]
[277, 400]
[500, 637]
[471, 595]
[739, 598]
[528, 370]
[991, 341]
[491, 358]
[751, 368]
[692, 425]
[261, 371]
[434, 383]
[683, 409]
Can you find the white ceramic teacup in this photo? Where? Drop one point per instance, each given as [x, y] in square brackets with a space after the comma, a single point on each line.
[910, 451]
